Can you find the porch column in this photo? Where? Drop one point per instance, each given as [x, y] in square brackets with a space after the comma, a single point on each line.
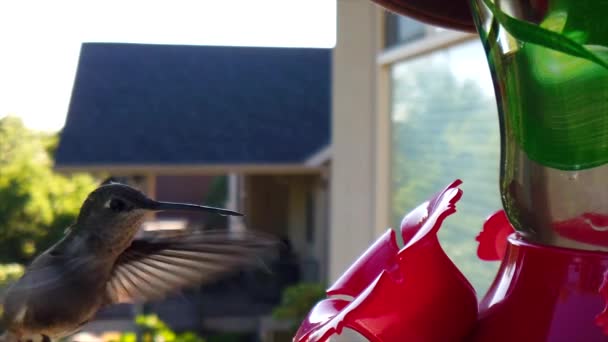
[234, 200]
[354, 119]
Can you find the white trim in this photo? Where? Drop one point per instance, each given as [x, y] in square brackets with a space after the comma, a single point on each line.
[191, 169]
[381, 178]
[422, 46]
[351, 187]
[235, 201]
[319, 158]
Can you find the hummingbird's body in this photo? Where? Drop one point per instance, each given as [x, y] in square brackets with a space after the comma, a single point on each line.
[99, 262]
[56, 296]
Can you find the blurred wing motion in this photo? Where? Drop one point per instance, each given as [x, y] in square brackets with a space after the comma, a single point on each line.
[150, 269]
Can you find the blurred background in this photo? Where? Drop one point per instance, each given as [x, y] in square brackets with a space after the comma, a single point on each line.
[324, 121]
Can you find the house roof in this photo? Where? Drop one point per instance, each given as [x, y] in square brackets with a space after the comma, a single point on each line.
[170, 105]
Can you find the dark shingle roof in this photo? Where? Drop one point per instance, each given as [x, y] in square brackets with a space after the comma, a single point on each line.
[173, 104]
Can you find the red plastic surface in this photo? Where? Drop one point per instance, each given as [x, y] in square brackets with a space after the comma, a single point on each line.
[410, 294]
[453, 14]
[544, 293]
[493, 238]
[602, 319]
[588, 228]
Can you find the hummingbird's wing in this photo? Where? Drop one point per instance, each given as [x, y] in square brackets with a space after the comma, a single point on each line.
[150, 269]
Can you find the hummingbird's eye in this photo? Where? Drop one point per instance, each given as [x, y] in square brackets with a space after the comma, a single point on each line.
[117, 205]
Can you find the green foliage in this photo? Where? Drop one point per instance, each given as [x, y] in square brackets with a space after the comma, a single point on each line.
[297, 301]
[10, 273]
[128, 337]
[155, 330]
[36, 204]
[446, 128]
[227, 337]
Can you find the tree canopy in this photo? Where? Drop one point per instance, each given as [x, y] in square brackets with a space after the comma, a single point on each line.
[36, 203]
[444, 128]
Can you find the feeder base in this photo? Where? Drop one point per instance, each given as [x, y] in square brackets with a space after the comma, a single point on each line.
[545, 293]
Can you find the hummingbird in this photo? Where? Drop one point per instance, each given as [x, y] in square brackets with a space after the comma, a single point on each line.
[100, 262]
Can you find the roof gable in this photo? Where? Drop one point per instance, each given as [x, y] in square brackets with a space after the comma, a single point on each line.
[168, 104]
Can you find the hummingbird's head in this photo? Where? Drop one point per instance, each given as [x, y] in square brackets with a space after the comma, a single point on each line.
[116, 211]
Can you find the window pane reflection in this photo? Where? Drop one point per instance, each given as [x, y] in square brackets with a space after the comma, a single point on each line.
[445, 126]
[400, 29]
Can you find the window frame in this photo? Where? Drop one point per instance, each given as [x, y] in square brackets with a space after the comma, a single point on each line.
[386, 58]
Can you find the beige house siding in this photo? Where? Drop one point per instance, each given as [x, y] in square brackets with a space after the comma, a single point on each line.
[321, 224]
[293, 207]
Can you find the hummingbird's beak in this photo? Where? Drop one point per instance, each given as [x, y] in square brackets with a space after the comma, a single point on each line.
[162, 206]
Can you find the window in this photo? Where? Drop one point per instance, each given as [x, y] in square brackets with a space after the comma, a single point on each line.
[399, 29]
[445, 126]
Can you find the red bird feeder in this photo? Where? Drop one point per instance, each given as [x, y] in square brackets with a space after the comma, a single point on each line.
[549, 62]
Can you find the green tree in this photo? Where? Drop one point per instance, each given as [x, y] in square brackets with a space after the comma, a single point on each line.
[36, 204]
[446, 128]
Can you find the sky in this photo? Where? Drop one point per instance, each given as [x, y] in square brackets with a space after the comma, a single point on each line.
[40, 40]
